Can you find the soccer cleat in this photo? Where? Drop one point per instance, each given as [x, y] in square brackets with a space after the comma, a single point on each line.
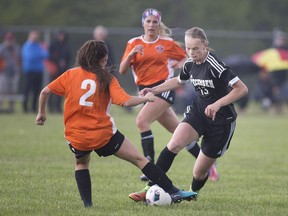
[140, 195]
[144, 178]
[213, 175]
[183, 195]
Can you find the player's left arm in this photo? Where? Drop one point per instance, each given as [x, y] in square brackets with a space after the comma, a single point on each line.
[121, 98]
[239, 89]
[135, 100]
[41, 116]
[178, 54]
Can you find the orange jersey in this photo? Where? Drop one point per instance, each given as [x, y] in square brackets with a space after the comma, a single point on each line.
[153, 65]
[88, 124]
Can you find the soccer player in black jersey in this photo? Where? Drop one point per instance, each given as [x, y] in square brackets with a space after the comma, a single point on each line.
[211, 115]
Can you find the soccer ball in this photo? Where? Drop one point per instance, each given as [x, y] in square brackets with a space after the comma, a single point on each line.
[157, 196]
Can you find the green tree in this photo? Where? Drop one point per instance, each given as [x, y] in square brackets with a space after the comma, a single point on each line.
[209, 14]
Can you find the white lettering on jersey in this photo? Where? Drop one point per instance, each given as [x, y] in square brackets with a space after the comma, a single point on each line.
[203, 83]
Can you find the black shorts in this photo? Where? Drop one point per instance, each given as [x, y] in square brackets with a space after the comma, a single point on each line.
[215, 138]
[168, 96]
[110, 148]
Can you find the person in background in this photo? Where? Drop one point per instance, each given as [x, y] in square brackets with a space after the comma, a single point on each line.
[90, 90]
[153, 58]
[10, 71]
[279, 77]
[33, 55]
[101, 33]
[59, 56]
[211, 115]
[263, 90]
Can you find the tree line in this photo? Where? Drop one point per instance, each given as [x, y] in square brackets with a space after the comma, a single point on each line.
[248, 15]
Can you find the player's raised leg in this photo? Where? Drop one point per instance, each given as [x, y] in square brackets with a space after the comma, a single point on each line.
[129, 152]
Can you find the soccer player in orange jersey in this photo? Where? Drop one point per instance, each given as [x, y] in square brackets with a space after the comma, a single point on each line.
[89, 91]
[153, 58]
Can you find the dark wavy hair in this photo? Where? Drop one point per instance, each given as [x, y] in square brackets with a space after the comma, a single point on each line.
[89, 57]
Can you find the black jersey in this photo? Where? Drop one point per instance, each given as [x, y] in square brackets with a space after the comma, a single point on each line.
[212, 80]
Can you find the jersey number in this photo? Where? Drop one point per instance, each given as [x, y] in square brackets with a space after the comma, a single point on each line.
[204, 91]
[85, 85]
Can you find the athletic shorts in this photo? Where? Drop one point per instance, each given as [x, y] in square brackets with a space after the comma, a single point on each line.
[168, 96]
[215, 138]
[110, 148]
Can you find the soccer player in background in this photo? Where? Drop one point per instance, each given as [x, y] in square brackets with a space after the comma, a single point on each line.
[153, 58]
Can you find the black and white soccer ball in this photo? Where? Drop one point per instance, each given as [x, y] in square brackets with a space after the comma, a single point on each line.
[157, 196]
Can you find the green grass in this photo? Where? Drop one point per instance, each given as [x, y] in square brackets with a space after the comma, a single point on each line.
[37, 171]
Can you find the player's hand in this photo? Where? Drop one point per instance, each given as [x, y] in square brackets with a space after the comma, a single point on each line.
[137, 49]
[150, 96]
[144, 91]
[40, 119]
[211, 110]
[175, 65]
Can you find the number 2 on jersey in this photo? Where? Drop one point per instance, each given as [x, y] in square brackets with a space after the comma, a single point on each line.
[91, 86]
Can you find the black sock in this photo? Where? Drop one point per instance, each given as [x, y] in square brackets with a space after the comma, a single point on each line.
[165, 159]
[193, 149]
[84, 186]
[198, 184]
[157, 176]
[147, 142]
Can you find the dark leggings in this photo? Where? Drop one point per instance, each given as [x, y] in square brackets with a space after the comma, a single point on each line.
[32, 85]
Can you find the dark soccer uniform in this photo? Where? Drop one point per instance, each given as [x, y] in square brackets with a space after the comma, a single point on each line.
[212, 80]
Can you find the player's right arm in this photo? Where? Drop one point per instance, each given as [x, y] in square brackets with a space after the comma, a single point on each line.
[128, 56]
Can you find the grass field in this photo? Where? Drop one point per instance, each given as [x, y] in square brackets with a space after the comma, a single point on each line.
[37, 171]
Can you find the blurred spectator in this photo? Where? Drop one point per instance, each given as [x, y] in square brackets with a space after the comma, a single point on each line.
[263, 90]
[57, 63]
[279, 39]
[279, 77]
[272, 80]
[101, 33]
[10, 63]
[33, 56]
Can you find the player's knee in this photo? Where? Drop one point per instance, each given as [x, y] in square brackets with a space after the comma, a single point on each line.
[142, 123]
[83, 161]
[175, 147]
[199, 174]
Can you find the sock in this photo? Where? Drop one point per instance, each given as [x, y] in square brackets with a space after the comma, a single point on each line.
[84, 186]
[147, 142]
[198, 184]
[193, 149]
[165, 159]
[157, 176]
